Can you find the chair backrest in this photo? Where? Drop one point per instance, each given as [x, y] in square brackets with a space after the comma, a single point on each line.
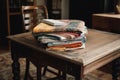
[32, 15]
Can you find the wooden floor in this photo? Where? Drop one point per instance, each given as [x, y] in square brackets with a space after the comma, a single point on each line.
[99, 75]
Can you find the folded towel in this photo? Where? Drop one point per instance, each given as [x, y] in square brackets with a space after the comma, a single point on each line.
[71, 25]
[53, 22]
[62, 36]
[52, 41]
[71, 47]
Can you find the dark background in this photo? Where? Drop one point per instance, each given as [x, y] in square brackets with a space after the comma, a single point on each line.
[79, 9]
[83, 9]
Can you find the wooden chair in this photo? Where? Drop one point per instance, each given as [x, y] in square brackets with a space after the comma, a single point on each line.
[32, 15]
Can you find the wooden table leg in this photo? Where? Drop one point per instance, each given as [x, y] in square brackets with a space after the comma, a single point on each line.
[116, 69]
[77, 74]
[15, 64]
[15, 68]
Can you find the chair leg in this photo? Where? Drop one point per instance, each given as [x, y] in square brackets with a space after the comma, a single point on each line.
[39, 72]
[27, 70]
[63, 76]
[59, 73]
[44, 70]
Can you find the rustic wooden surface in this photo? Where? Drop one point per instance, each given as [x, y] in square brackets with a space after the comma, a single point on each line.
[108, 15]
[101, 48]
[107, 22]
[99, 44]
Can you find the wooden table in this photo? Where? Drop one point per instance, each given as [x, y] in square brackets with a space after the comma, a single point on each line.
[101, 48]
[106, 21]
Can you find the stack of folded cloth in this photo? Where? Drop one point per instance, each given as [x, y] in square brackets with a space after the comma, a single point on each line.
[68, 35]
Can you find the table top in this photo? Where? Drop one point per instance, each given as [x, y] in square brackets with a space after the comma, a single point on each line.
[109, 15]
[98, 45]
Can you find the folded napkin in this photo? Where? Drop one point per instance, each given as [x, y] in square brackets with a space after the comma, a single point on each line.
[59, 37]
[71, 25]
[66, 47]
[62, 36]
[54, 42]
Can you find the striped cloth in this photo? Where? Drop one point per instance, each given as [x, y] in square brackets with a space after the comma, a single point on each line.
[66, 37]
[71, 25]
